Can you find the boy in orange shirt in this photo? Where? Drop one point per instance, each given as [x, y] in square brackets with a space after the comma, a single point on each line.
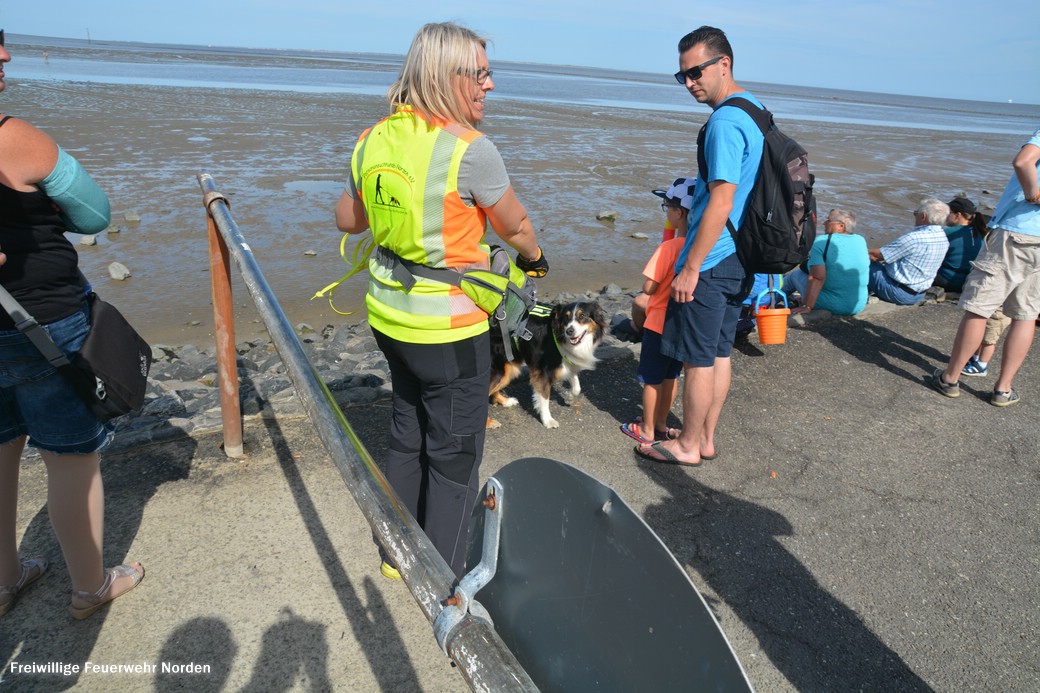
[657, 374]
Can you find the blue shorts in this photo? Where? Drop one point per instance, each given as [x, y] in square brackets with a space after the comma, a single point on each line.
[37, 401]
[699, 331]
[653, 367]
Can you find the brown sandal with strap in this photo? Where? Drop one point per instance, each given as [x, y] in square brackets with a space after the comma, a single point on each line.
[32, 570]
[106, 593]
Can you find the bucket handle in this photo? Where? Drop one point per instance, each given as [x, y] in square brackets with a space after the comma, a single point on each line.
[758, 299]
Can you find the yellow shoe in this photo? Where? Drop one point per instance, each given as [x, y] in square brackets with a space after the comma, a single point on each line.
[389, 571]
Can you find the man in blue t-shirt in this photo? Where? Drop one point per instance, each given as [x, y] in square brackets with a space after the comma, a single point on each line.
[709, 286]
[1006, 273]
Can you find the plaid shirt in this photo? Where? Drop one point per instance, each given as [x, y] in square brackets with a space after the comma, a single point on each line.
[914, 258]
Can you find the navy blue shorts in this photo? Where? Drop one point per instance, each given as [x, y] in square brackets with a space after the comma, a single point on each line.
[38, 401]
[699, 331]
[654, 368]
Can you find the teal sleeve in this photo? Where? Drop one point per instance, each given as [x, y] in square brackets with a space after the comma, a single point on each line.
[83, 205]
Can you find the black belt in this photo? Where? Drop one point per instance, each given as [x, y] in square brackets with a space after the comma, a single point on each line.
[905, 288]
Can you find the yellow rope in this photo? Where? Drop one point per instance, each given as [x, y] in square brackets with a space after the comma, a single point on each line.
[358, 261]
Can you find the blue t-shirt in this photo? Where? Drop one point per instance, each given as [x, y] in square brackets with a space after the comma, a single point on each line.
[844, 290]
[733, 152]
[1013, 213]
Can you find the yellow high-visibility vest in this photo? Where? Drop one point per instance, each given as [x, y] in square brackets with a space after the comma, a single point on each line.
[406, 171]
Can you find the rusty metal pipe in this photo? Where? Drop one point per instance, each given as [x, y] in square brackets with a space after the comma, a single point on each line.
[224, 333]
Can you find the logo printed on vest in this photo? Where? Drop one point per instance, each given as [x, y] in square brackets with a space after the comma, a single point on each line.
[389, 189]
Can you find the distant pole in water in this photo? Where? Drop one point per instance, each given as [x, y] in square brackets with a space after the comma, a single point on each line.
[88, 35]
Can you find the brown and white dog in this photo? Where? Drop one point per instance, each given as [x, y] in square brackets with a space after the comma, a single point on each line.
[561, 346]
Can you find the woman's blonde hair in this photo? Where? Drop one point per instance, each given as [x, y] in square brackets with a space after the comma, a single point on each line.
[428, 76]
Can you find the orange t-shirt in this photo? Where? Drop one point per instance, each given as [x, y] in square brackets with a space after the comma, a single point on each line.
[661, 269]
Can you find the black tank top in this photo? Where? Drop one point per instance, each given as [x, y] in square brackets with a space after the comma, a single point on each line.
[42, 270]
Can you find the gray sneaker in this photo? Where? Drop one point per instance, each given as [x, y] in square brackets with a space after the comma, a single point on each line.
[941, 386]
[1003, 399]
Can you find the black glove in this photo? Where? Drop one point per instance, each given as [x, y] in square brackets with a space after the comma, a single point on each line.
[539, 267]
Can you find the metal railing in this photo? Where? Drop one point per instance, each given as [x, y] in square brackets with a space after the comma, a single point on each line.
[472, 643]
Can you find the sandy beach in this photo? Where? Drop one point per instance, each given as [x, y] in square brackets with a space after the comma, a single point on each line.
[280, 157]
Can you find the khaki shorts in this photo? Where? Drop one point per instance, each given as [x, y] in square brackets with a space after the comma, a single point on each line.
[995, 326]
[1005, 273]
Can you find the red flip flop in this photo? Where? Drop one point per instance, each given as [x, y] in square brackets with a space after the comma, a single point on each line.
[631, 430]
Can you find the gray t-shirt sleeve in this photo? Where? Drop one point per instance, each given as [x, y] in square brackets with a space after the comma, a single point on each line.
[482, 174]
[351, 187]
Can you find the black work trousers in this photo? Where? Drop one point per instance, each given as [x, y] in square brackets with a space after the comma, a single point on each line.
[440, 409]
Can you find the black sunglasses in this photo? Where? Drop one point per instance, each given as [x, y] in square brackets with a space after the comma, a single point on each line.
[695, 72]
[1, 37]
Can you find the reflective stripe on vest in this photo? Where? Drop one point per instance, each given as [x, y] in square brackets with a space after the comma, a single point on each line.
[406, 173]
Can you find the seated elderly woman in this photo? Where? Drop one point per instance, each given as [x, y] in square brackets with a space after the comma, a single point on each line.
[836, 280]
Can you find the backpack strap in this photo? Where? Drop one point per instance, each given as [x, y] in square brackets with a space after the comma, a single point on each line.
[763, 119]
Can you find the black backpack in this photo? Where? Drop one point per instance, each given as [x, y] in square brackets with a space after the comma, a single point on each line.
[780, 222]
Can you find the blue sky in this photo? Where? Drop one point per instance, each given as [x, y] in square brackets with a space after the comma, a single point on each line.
[959, 49]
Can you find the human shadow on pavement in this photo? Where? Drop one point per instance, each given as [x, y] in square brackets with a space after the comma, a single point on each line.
[201, 640]
[813, 639]
[876, 344]
[293, 649]
[39, 628]
[370, 619]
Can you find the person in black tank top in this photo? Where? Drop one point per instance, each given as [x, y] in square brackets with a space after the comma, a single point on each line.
[44, 192]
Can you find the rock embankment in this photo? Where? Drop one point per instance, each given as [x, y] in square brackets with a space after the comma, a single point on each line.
[183, 398]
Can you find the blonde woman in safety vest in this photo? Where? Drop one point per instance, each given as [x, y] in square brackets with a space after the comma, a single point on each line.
[426, 183]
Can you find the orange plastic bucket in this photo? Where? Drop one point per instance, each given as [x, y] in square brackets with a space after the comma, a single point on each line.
[771, 322]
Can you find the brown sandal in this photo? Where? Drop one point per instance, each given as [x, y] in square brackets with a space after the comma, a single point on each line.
[32, 570]
[105, 594]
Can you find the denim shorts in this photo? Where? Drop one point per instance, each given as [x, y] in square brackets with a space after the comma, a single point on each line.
[699, 331]
[37, 401]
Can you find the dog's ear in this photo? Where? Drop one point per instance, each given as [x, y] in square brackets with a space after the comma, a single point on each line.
[598, 315]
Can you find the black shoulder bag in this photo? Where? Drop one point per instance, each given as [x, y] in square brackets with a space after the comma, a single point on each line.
[110, 371]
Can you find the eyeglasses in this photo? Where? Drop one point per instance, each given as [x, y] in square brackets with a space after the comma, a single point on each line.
[695, 72]
[480, 74]
[665, 207]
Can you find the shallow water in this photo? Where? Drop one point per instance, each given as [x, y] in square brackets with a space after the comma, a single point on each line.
[281, 156]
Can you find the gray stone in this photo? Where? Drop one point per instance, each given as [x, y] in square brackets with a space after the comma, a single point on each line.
[118, 271]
